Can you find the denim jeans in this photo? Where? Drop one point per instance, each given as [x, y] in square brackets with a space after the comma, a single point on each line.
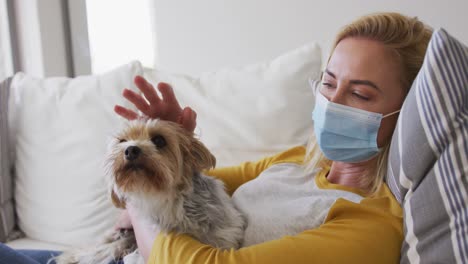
[10, 256]
[26, 256]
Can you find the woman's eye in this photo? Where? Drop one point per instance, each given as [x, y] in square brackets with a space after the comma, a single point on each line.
[122, 140]
[328, 85]
[159, 141]
[361, 97]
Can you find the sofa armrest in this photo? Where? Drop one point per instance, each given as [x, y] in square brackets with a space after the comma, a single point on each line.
[7, 216]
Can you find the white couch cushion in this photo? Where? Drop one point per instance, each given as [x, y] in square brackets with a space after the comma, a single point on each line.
[249, 112]
[61, 129]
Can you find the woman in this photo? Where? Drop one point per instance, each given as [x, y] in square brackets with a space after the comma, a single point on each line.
[356, 219]
[372, 65]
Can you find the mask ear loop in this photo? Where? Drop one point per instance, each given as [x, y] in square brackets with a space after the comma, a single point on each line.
[392, 113]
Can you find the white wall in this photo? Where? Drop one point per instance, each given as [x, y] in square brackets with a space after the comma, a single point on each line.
[203, 35]
[6, 59]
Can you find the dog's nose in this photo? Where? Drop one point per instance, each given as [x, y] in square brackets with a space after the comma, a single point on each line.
[132, 152]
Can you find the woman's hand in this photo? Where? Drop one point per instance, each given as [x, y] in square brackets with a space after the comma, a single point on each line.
[145, 233]
[166, 108]
[124, 221]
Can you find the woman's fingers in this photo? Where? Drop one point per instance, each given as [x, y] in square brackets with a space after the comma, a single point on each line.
[166, 108]
[138, 101]
[147, 89]
[188, 119]
[168, 94]
[125, 113]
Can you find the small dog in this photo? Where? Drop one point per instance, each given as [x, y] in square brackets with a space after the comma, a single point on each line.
[155, 166]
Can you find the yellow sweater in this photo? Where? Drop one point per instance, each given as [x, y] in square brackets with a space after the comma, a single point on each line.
[365, 232]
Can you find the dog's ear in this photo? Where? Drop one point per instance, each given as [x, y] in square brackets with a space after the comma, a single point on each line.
[201, 157]
[117, 201]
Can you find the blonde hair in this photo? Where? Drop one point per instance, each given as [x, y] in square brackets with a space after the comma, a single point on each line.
[409, 38]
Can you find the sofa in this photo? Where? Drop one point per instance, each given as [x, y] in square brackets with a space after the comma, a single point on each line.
[55, 132]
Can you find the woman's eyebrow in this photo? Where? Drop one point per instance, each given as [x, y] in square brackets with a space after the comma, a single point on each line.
[330, 73]
[359, 82]
[365, 82]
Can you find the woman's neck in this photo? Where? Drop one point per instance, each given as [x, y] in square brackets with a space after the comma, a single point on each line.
[351, 174]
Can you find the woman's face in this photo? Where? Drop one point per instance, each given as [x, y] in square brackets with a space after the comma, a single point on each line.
[365, 74]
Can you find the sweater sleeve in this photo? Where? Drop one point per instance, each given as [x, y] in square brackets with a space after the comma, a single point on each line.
[235, 176]
[351, 233]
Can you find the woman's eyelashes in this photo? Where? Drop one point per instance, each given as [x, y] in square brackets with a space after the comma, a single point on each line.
[360, 96]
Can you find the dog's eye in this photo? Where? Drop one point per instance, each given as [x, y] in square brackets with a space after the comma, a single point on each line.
[158, 141]
[122, 140]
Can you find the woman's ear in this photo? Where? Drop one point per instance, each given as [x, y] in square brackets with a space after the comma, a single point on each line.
[117, 201]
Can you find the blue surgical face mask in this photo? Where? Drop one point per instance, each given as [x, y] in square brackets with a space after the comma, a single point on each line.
[346, 133]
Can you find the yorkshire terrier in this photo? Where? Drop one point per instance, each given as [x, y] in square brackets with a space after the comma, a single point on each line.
[155, 166]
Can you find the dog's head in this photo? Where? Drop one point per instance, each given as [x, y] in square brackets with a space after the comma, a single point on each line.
[154, 156]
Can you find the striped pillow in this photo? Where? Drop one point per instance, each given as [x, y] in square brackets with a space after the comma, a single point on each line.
[428, 164]
[7, 219]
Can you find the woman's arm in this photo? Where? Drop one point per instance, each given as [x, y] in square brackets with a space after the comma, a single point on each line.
[352, 233]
